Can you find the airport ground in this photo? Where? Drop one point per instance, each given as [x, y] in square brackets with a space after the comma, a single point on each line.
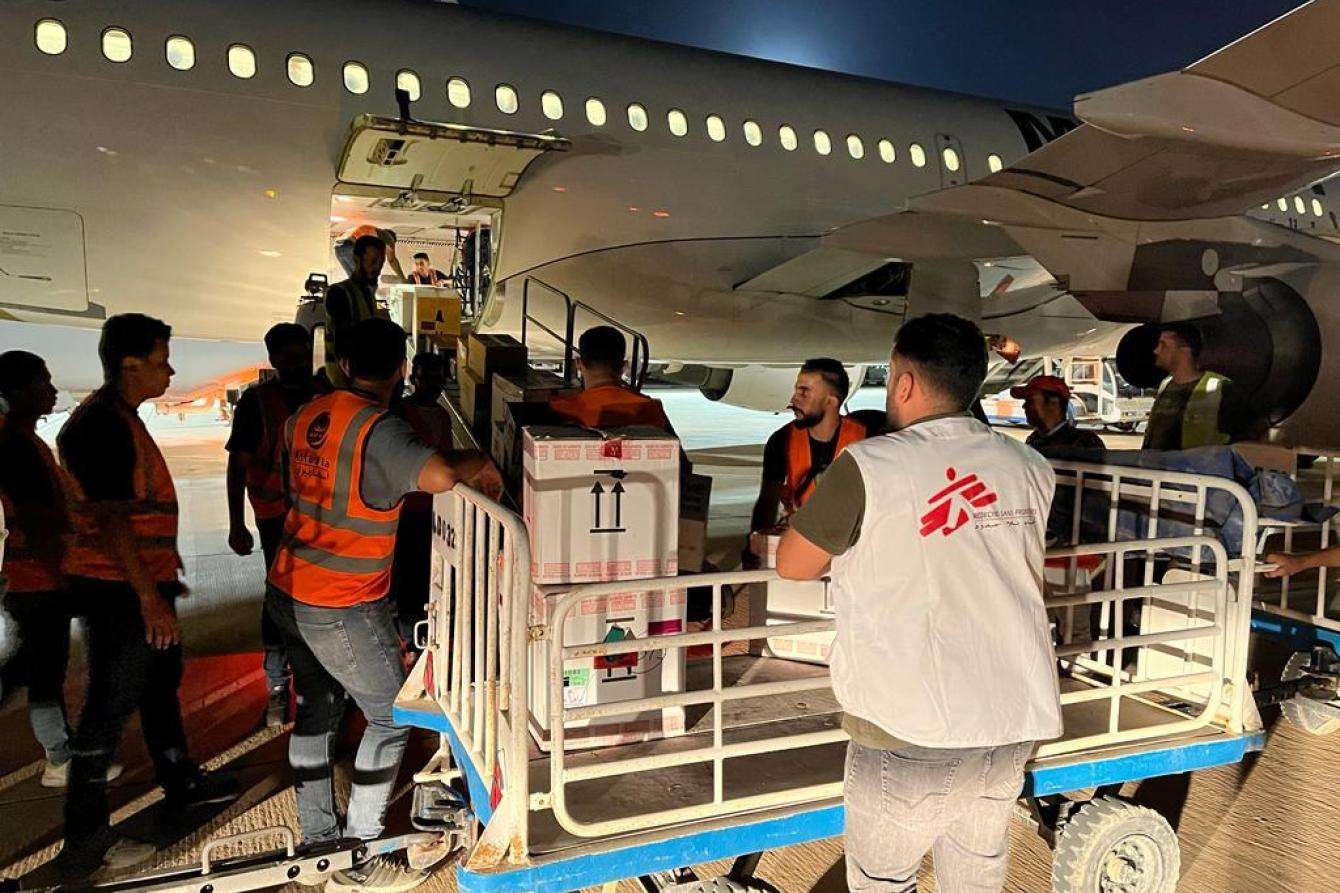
[1267, 825]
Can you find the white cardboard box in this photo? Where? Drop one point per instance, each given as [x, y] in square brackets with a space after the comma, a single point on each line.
[792, 601]
[601, 506]
[626, 615]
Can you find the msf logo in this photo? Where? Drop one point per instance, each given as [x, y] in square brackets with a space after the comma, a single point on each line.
[953, 506]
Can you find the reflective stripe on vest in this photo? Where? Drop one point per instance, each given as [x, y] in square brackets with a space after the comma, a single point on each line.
[610, 406]
[336, 549]
[799, 482]
[24, 568]
[265, 479]
[151, 515]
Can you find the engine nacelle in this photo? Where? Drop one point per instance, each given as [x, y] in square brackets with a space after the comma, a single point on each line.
[1265, 338]
[765, 388]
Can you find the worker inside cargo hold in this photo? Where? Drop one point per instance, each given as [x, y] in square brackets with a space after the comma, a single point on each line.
[799, 452]
[605, 401]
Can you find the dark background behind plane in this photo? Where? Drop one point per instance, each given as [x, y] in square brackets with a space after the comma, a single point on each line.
[1038, 51]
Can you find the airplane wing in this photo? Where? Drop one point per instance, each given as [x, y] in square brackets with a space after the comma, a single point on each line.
[1254, 121]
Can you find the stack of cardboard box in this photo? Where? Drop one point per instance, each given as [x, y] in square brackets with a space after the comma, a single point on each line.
[486, 356]
[604, 507]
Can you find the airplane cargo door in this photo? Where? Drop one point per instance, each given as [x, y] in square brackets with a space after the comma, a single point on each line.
[951, 160]
[451, 160]
[434, 181]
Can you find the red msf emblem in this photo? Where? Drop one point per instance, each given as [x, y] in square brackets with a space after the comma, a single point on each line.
[955, 502]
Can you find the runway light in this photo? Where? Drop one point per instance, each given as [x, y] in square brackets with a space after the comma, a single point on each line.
[660, 212]
[272, 193]
[632, 208]
[266, 252]
[679, 313]
[1186, 129]
[560, 189]
[106, 151]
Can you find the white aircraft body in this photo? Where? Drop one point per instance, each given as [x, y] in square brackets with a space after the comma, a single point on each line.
[195, 160]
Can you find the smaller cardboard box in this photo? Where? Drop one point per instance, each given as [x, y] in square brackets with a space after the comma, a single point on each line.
[695, 500]
[635, 614]
[439, 318]
[600, 505]
[474, 401]
[488, 355]
[518, 400]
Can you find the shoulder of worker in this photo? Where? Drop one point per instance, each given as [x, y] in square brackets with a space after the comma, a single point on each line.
[97, 412]
[933, 435]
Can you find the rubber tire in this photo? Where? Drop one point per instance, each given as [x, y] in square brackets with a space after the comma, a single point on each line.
[1091, 833]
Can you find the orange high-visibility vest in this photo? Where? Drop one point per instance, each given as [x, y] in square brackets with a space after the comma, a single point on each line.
[610, 406]
[151, 515]
[799, 479]
[265, 477]
[336, 550]
[27, 570]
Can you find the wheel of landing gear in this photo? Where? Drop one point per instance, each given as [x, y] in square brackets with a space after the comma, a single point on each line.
[1111, 846]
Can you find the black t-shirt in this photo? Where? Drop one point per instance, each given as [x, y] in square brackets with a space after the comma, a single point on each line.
[249, 427]
[97, 448]
[775, 461]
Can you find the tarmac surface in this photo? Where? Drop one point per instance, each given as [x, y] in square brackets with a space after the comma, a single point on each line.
[1270, 824]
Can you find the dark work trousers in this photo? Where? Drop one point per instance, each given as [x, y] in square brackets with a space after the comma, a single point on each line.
[44, 653]
[125, 674]
[410, 573]
[271, 530]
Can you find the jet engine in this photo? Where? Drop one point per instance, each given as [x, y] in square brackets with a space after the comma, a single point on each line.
[1265, 338]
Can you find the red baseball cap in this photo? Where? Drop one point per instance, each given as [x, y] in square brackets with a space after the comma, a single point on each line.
[1044, 384]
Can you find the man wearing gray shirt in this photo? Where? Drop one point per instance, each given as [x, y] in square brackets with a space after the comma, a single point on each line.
[348, 466]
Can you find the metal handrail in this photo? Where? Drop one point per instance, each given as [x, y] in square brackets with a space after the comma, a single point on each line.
[639, 362]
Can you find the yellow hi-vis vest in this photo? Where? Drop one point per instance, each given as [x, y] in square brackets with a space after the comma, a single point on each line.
[1200, 419]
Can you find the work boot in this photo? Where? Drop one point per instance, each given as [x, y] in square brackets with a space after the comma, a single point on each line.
[385, 874]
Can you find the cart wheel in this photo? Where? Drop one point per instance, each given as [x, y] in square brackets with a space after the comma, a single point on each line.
[1111, 846]
[1315, 708]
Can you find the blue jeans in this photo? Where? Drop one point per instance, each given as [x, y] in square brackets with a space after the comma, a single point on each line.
[955, 804]
[333, 651]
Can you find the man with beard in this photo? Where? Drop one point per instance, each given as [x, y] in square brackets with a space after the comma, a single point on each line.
[797, 454]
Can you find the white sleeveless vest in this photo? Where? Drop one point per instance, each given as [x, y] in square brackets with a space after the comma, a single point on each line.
[942, 637]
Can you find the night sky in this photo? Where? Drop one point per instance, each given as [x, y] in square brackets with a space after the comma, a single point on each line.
[1039, 51]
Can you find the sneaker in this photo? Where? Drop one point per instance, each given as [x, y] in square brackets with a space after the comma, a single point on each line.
[386, 874]
[104, 850]
[276, 708]
[57, 775]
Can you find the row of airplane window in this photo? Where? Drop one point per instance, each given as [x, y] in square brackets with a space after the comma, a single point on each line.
[1298, 204]
[51, 38]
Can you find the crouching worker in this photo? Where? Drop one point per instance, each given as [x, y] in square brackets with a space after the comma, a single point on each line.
[349, 464]
[933, 538]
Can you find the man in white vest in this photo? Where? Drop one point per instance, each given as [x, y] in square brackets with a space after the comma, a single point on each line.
[933, 537]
